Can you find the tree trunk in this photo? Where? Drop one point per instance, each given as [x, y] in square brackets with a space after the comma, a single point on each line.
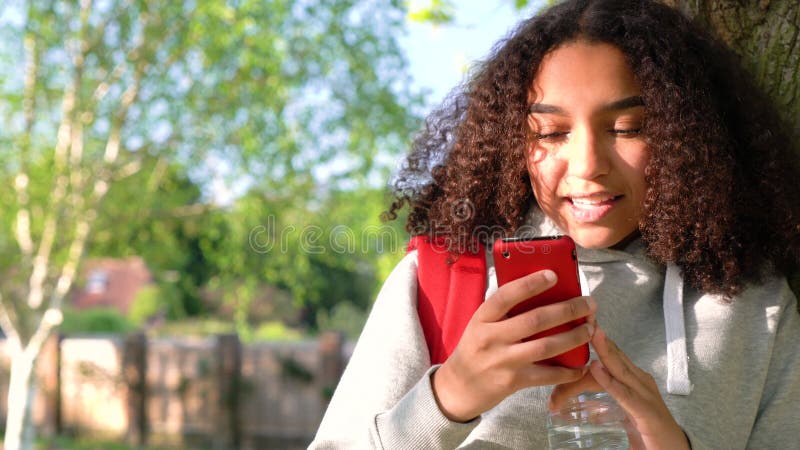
[19, 433]
[765, 35]
[22, 385]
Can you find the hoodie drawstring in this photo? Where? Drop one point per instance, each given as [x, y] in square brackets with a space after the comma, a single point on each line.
[584, 283]
[677, 359]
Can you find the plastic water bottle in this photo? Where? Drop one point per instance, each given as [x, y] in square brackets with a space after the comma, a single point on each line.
[588, 420]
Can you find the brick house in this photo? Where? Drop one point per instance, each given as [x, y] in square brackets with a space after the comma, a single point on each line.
[111, 282]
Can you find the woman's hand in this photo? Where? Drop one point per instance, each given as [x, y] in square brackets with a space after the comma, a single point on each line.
[491, 361]
[651, 425]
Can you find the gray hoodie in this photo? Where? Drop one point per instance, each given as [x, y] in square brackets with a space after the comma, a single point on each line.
[729, 372]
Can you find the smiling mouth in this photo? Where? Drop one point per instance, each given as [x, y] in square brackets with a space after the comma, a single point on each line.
[592, 208]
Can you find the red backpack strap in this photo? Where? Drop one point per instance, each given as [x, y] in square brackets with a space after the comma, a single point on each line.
[447, 294]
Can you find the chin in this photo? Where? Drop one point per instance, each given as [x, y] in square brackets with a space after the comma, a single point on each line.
[596, 239]
[593, 244]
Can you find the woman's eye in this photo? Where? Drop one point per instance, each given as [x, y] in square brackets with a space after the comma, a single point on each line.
[553, 136]
[626, 131]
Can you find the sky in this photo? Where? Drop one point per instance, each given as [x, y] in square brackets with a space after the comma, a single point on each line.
[439, 55]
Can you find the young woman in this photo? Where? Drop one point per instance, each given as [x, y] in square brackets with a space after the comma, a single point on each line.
[624, 126]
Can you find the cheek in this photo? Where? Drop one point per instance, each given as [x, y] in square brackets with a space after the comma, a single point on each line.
[638, 167]
[544, 173]
[633, 168]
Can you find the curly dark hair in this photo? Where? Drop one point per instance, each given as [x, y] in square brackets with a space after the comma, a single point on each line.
[723, 200]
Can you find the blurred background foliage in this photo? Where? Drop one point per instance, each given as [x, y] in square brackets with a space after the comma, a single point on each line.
[255, 139]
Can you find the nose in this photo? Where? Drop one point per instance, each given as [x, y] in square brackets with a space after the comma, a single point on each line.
[587, 154]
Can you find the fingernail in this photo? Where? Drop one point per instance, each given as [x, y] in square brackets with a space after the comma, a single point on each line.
[549, 275]
[591, 302]
[590, 327]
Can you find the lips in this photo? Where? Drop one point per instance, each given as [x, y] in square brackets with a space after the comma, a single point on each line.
[591, 207]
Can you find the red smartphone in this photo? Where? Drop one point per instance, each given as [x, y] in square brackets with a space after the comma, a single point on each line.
[517, 257]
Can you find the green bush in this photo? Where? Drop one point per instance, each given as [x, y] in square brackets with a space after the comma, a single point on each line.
[345, 317]
[95, 320]
[145, 304]
[276, 331]
[200, 327]
[154, 299]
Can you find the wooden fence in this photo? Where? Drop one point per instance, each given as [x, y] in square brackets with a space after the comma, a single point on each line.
[204, 393]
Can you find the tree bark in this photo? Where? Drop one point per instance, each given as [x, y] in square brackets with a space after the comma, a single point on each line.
[21, 391]
[764, 33]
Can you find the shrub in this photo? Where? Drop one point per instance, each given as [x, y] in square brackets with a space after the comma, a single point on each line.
[95, 320]
[145, 304]
[345, 317]
[155, 299]
[275, 331]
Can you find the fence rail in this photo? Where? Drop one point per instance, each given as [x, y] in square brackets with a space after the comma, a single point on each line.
[190, 393]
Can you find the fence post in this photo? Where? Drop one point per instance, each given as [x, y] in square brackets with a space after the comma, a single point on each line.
[331, 365]
[49, 377]
[134, 372]
[229, 378]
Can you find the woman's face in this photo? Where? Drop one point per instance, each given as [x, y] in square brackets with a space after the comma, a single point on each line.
[588, 162]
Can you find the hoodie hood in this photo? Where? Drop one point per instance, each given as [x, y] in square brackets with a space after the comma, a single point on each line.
[644, 277]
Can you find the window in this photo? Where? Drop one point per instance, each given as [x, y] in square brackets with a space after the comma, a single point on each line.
[97, 281]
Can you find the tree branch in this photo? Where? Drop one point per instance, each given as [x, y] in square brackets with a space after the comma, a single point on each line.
[23, 223]
[7, 325]
[69, 144]
[51, 319]
[42, 258]
[127, 170]
[71, 265]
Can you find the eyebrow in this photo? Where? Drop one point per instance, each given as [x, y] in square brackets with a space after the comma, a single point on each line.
[626, 103]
